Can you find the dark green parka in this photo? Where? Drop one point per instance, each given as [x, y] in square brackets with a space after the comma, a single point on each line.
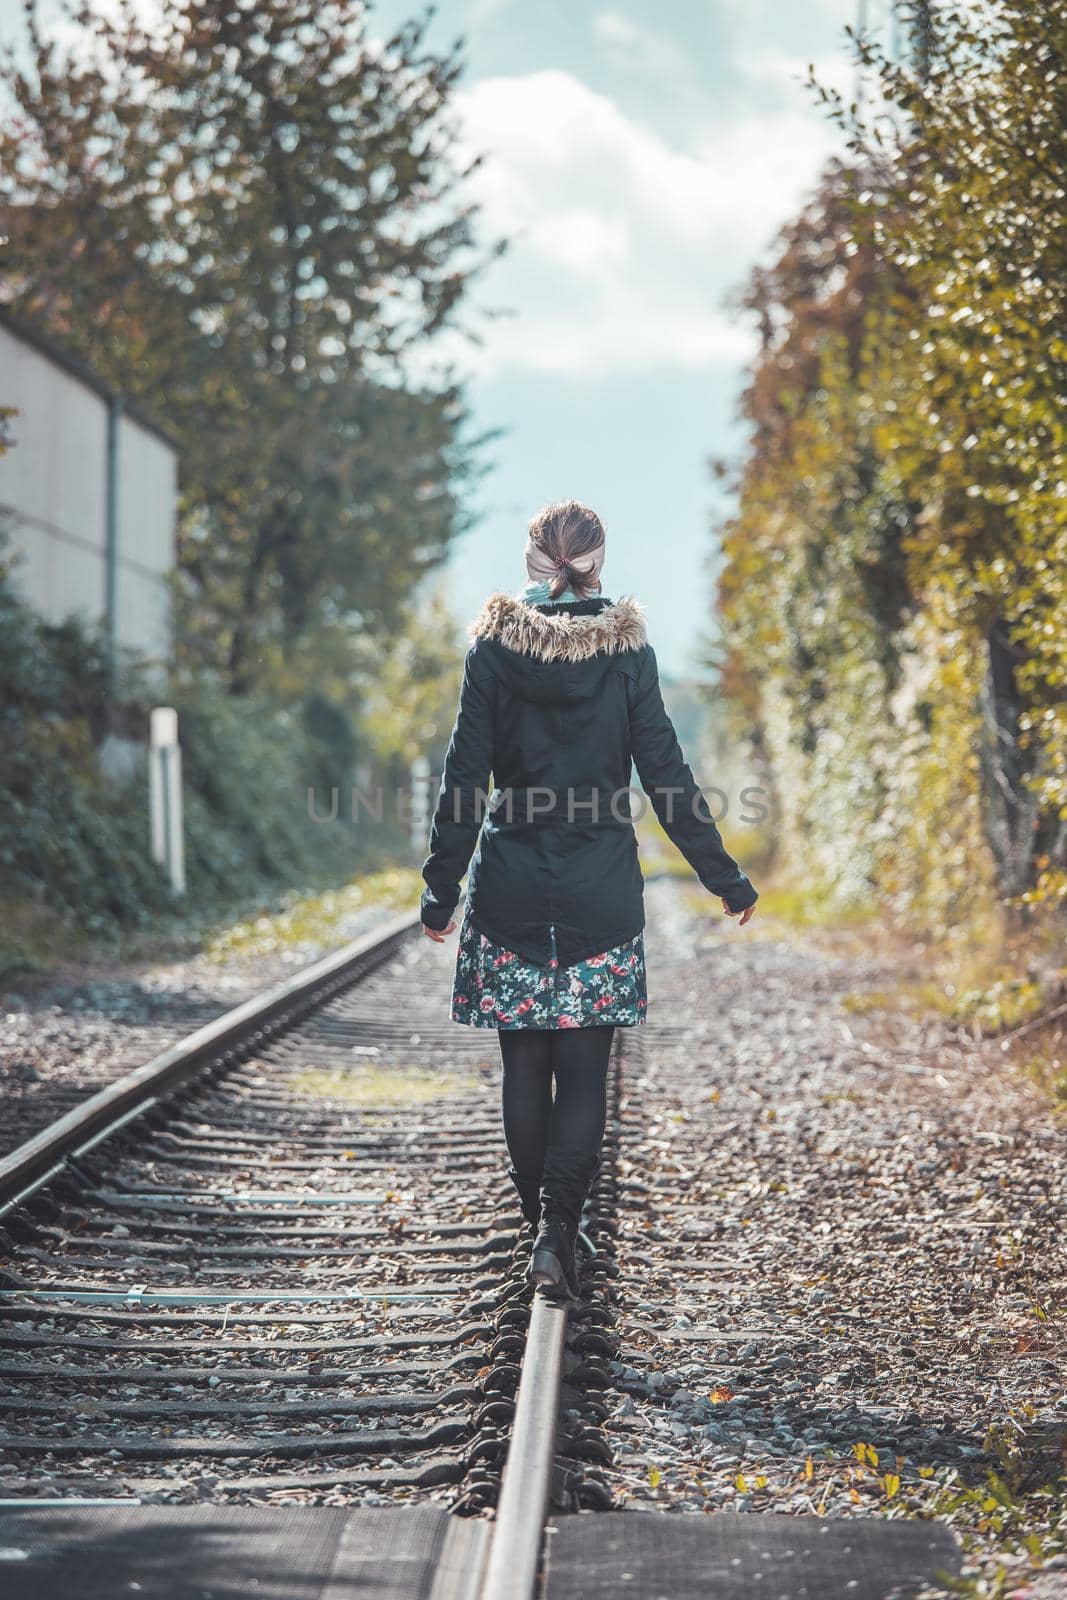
[559, 703]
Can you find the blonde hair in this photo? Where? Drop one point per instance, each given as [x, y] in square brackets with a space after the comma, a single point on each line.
[566, 531]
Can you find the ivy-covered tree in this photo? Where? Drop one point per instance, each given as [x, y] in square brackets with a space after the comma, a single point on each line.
[895, 579]
[247, 217]
[969, 206]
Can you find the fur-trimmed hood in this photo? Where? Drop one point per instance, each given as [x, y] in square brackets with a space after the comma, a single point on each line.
[555, 657]
[560, 636]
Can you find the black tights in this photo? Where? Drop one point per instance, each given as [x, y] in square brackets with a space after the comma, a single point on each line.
[555, 1140]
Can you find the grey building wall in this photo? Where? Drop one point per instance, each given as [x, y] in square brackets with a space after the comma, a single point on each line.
[54, 496]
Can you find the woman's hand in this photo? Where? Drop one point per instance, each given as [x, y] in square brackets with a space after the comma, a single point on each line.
[438, 935]
[746, 915]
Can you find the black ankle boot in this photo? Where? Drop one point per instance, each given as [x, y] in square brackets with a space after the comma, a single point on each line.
[552, 1265]
[567, 1176]
[529, 1192]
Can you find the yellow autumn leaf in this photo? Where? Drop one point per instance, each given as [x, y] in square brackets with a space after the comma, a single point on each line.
[809, 1469]
[891, 1484]
[761, 1482]
[741, 1483]
[654, 1477]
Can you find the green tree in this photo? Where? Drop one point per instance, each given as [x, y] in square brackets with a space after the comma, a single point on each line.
[411, 703]
[248, 217]
[968, 205]
[895, 579]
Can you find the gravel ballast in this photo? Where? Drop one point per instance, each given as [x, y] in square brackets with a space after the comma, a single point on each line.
[841, 1246]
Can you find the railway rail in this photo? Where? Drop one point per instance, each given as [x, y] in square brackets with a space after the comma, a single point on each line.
[281, 1263]
[278, 1260]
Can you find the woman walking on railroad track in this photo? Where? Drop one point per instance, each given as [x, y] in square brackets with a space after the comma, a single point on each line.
[560, 698]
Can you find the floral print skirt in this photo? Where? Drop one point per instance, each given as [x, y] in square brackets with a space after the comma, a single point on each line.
[496, 988]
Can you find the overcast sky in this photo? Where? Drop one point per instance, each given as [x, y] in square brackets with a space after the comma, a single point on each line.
[640, 157]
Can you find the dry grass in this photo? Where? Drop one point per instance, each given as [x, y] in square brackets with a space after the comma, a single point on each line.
[378, 1085]
[316, 919]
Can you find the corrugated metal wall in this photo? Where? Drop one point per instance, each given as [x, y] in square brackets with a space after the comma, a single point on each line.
[53, 489]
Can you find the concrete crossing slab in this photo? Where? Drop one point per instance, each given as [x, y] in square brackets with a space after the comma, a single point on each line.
[289, 1552]
[762, 1556]
[296, 1552]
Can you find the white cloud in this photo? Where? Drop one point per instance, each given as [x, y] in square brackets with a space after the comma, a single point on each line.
[623, 244]
[630, 46]
[787, 75]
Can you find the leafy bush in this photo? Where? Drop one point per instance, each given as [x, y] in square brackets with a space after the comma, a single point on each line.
[894, 589]
[63, 839]
[75, 842]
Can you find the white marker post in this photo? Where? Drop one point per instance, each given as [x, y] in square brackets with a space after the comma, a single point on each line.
[420, 804]
[165, 795]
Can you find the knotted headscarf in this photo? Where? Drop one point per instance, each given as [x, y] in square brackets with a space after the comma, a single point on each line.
[544, 568]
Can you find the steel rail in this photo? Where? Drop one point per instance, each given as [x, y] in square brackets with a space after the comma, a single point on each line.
[518, 1531]
[142, 1295]
[43, 1155]
[510, 1567]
